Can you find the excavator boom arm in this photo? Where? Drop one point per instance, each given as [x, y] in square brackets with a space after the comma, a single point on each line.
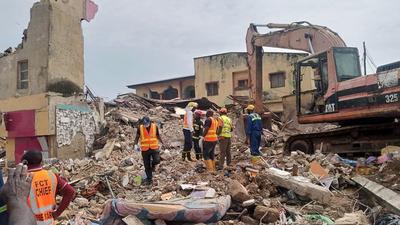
[299, 36]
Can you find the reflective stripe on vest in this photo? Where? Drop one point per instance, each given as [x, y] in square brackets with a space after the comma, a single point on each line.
[148, 140]
[42, 197]
[226, 127]
[3, 208]
[211, 135]
[185, 122]
[255, 116]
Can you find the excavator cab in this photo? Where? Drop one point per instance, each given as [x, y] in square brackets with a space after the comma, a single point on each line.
[327, 69]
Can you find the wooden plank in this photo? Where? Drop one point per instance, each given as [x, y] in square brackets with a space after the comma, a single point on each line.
[389, 198]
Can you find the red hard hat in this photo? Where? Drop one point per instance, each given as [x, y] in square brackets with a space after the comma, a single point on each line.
[198, 113]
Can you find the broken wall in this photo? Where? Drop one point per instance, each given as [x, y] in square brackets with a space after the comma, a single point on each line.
[75, 130]
[66, 47]
[52, 46]
[34, 49]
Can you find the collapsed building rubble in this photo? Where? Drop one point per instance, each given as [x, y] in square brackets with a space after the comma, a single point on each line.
[283, 189]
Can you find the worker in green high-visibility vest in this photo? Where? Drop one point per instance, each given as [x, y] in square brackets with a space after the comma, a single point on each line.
[225, 129]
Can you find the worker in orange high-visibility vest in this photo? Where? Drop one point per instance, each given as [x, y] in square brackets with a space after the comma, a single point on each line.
[149, 136]
[210, 140]
[45, 186]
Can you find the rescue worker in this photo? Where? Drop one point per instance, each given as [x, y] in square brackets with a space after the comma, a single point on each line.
[188, 130]
[3, 206]
[225, 135]
[149, 136]
[210, 140]
[253, 132]
[45, 186]
[197, 133]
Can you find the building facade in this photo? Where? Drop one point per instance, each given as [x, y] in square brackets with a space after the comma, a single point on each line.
[50, 56]
[42, 81]
[182, 87]
[218, 76]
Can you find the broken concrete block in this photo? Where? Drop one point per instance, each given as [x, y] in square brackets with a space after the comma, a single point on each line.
[268, 215]
[388, 197]
[125, 180]
[238, 192]
[81, 202]
[300, 185]
[118, 145]
[132, 220]
[106, 151]
[211, 193]
[249, 203]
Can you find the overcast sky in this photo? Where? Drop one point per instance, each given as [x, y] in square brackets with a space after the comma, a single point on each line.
[134, 41]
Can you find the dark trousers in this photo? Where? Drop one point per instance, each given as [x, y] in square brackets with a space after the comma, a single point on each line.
[209, 150]
[255, 141]
[197, 149]
[224, 152]
[3, 215]
[151, 158]
[187, 134]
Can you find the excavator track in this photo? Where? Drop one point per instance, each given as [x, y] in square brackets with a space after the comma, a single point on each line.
[350, 140]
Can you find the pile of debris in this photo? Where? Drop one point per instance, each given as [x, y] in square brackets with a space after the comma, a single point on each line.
[294, 189]
[253, 192]
[388, 175]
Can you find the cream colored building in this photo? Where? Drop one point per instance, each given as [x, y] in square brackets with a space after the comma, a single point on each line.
[221, 75]
[181, 87]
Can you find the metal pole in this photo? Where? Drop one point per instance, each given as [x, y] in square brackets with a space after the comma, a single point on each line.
[365, 59]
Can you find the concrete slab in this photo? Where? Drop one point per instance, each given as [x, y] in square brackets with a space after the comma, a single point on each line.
[390, 198]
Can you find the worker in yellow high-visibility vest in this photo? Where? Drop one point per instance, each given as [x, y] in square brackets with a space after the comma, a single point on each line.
[225, 129]
[149, 136]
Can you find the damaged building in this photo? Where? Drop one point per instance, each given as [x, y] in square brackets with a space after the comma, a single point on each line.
[181, 87]
[221, 75]
[41, 92]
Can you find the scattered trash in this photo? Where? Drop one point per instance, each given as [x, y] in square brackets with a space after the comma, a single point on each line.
[324, 219]
[388, 219]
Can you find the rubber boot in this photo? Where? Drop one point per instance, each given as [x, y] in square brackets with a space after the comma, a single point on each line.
[189, 156]
[255, 160]
[209, 165]
[206, 164]
[183, 156]
[213, 165]
[199, 156]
